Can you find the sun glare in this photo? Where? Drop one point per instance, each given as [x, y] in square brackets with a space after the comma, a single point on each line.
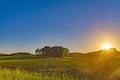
[106, 46]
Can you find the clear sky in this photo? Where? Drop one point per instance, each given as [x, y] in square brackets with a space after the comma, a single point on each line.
[80, 25]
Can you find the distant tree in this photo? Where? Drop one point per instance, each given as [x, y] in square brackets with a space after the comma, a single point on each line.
[60, 51]
[37, 51]
[57, 51]
[45, 50]
[21, 54]
[65, 52]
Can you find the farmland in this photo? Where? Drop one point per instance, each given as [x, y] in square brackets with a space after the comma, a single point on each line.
[42, 68]
[82, 67]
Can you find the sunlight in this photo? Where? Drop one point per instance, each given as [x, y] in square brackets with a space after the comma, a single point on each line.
[106, 46]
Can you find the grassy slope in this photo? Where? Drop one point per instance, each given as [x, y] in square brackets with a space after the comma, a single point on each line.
[52, 68]
[83, 67]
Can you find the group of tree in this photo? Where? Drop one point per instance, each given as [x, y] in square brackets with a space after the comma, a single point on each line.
[56, 51]
[21, 54]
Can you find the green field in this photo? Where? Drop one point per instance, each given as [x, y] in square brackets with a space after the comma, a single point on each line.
[82, 67]
[36, 68]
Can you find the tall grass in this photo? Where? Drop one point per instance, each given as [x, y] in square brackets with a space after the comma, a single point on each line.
[32, 68]
[72, 68]
[6, 74]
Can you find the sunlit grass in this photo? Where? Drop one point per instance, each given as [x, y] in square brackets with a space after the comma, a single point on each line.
[6, 74]
[42, 68]
[84, 67]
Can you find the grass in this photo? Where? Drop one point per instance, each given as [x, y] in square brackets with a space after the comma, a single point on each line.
[6, 74]
[52, 68]
[56, 68]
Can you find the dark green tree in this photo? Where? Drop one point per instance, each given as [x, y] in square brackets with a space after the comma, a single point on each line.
[56, 51]
[37, 51]
[45, 50]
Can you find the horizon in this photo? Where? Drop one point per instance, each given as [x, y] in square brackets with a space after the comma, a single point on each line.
[80, 26]
[33, 52]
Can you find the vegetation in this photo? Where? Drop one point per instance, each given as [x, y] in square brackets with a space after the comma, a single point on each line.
[56, 51]
[21, 54]
[43, 68]
[7, 74]
[99, 65]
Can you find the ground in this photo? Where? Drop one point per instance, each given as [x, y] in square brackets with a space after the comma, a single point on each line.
[82, 67]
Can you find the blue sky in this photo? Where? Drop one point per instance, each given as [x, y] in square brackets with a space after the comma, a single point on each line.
[80, 25]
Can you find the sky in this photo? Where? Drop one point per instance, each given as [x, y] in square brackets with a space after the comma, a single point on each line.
[79, 25]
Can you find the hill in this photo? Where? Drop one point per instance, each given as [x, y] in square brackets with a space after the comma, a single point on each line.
[111, 51]
[21, 54]
[97, 65]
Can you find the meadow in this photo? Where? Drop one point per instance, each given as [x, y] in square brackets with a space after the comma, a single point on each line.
[82, 67]
[36, 68]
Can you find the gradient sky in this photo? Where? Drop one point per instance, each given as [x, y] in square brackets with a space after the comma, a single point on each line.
[80, 25]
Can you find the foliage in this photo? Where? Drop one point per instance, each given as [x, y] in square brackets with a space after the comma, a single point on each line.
[7, 74]
[99, 65]
[47, 68]
[56, 51]
[21, 54]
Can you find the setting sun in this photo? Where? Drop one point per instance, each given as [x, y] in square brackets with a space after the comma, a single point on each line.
[106, 46]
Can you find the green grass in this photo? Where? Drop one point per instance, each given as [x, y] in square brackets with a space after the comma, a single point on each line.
[56, 68]
[6, 74]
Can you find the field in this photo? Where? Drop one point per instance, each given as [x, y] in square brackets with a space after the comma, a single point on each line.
[36, 68]
[82, 67]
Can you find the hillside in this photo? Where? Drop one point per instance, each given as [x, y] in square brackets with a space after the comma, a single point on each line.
[97, 65]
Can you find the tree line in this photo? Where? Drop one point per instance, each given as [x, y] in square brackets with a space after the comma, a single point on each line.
[55, 51]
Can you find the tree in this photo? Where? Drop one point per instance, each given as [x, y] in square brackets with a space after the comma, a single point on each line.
[45, 50]
[37, 51]
[65, 52]
[55, 51]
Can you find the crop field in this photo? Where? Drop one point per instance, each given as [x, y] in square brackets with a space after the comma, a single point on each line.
[56, 68]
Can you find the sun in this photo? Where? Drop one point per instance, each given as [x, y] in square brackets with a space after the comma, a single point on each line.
[106, 46]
